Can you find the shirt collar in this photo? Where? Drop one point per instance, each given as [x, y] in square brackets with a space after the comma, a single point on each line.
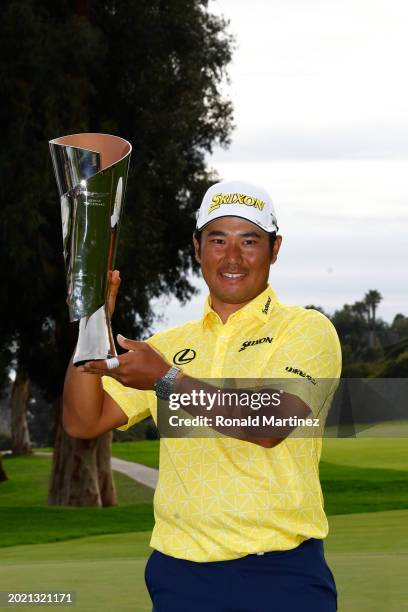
[260, 307]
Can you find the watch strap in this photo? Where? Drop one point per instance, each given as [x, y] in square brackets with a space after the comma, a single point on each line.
[164, 386]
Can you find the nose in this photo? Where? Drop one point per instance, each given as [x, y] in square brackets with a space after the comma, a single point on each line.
[233, 253]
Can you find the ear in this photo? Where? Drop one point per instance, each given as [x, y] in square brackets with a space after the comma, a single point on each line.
[197, 250]
[275, 250]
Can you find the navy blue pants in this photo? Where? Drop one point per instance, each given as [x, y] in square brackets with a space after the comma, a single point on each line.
[297, 580]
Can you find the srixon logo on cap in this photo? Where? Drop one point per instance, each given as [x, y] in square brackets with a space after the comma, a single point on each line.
[235, 198]
[248, 343]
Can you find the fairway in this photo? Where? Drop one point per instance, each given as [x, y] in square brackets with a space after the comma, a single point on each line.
[25, 517]
[105, 572]
[387, 453]
[366, 498]
[368, 554]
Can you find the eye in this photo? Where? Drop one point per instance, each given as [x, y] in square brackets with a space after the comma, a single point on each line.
[217, 240]
[250, 241]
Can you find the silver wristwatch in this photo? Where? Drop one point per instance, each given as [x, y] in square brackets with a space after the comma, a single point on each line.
[165, 385]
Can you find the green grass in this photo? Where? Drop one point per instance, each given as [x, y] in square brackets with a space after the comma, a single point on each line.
[105, 572]
[368, 554]
[141, 451]
[389, 453]
[367, 548]
[35, 525]
[25, 517]
[145, 452]
[349, 490]
[28, 483]
[364, 475]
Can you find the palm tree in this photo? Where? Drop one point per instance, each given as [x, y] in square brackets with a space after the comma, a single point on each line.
[372, 298]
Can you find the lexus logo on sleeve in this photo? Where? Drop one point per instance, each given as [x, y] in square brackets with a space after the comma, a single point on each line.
[184, 356]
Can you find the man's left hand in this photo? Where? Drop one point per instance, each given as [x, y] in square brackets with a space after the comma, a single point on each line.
[141, 367]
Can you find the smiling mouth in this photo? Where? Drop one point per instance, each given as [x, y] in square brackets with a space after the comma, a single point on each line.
[232, 275]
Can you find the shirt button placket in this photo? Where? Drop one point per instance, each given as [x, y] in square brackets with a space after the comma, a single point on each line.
[221, 348]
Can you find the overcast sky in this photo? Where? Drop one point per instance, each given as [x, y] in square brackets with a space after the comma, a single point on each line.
[320, 96]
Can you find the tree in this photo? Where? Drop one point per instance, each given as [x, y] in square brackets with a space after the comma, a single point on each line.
[92, 484]
[172, 59]
[352, 326]
[395, 368]
[318, 308]
[356, 325]
[399, 327]
[362, 310]
[3, 475]
[30, 44]
[372, 299]
[148, 71]
[20, 395]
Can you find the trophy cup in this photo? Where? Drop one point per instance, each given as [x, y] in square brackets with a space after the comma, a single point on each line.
[91, 172]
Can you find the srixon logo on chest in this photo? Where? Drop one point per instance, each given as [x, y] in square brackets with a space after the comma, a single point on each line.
[248, 343]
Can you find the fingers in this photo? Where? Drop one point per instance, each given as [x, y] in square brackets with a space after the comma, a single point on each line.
[130, 345]
[114, 282]
[114, 277]
[98, 366]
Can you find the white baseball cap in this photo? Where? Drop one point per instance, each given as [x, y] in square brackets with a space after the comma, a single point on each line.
[238, 199]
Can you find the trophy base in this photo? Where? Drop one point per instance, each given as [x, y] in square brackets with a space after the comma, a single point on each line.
[94, 339]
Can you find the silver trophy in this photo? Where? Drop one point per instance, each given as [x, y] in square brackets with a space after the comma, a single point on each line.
[91, 172]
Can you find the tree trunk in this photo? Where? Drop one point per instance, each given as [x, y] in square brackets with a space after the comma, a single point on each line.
[81, 472]
[82, 8]
[20, 395]
[3, 475]
[371, 334]
[103, 462]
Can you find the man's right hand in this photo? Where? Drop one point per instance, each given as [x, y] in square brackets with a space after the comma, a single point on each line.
[114, 281]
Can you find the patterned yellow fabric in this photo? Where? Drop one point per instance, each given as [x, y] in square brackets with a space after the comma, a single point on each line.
[222, 498]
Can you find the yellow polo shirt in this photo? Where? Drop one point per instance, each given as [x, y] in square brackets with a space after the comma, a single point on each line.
[222, 498]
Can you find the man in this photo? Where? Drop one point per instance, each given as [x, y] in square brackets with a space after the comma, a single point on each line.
[239, 519]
